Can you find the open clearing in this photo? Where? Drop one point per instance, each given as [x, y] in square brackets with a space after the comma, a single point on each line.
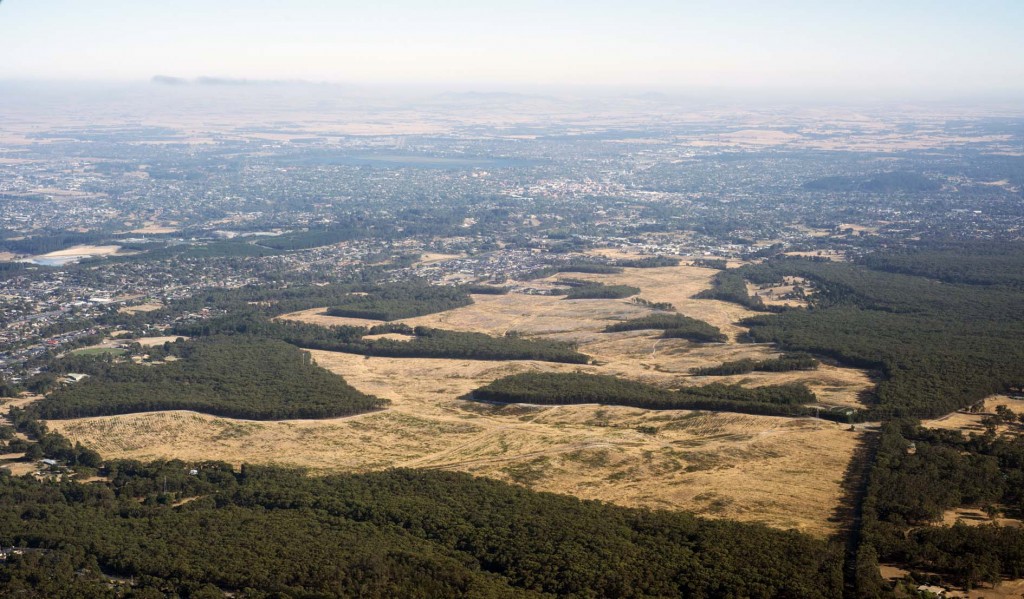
[1007, 589]
[98, 351]
[971, 423]
[154, 341]
[139, 308]
[154, 229]
[977, 517]
[783, 472]
[83, 251]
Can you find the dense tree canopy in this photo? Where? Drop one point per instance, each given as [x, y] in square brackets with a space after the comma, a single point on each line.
[423, 342]
[673, 326]
[565, 388]
[600, 291]
[918, 475]
[266, 532]
[940, 346]
[784, 363]
[393, 302]
[237, 376]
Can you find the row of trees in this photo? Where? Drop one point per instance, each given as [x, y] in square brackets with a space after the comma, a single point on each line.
[393, 302]
[784, 363]
[715, 263]
[271, 300]
[601, 291]
[579, 266]
[592, 266]
[648, 262]
[673, 326]
[559, 388]
[425, 342]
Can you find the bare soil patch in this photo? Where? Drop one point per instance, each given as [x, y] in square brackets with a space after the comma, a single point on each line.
[83, 250]
[154, 341]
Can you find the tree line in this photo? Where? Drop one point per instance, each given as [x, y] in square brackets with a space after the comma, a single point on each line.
[672, 326]
[562, 388]
[600, 291]
[729, 285]
[424, 342]
[403, 300]
[784, 363]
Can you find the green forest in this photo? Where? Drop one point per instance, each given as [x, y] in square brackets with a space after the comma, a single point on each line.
[672, 326]
[918, 475]
[566, 388]
[939, 345]
[423, 342]
[267, 532]
[730, 286]
[600, 291]
[966, 263]
[648, 262]
[784, 363]
[237, 377]
[397, 301]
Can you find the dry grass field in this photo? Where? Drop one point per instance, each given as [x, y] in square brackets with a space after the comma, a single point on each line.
[783, 472]
[147, 307]
[155, 229]
[154, 341]
[83, 251]
[971, 423]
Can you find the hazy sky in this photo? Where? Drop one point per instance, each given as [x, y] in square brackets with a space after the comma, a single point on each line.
[942, 45]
